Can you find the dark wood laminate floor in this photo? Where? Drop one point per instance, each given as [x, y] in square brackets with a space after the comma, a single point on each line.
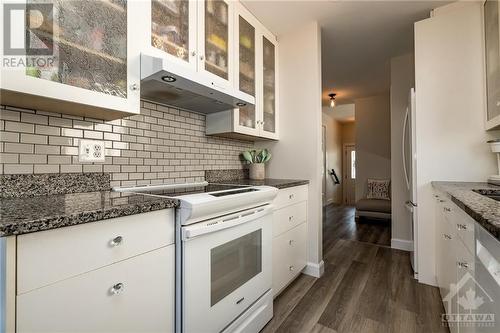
[366, 287]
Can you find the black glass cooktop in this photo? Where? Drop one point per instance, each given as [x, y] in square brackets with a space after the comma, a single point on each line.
[227, 188]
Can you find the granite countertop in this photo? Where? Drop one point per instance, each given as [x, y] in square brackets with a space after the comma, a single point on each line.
[31, 203]
[278, 183]
[484, 210]
[30, 214]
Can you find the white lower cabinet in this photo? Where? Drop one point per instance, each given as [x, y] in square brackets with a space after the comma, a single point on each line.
[289, 236]
[289, 257]
[134, 295]
[116, 275]
[455, 256]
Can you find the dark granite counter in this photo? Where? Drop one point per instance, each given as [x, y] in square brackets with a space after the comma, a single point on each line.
[30, 214]
[278, 183]
[484, 210]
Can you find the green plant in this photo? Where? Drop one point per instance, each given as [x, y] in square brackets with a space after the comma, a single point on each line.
[256, 156]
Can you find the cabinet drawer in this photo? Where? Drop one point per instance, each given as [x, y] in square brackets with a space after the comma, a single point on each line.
[54, 255]
[462, 224]
[289, 217]
[289, 256]
[464, 260]
[290, 196]
[86, 303]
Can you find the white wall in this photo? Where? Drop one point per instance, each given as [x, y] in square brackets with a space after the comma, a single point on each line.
[298, 152]
[333, 157]
[402, 80]
[342, 113]
[349, 132]
[373, 141]
[451, 141]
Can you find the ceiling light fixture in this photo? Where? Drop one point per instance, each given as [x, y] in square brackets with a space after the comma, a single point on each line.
[332, 99]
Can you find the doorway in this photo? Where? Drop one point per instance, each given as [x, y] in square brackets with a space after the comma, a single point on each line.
[349, 157]
[323, 147]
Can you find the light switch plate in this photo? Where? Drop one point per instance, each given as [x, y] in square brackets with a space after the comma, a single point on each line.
[91, 151]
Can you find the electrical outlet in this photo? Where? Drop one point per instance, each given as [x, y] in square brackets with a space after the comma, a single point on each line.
[91, 151]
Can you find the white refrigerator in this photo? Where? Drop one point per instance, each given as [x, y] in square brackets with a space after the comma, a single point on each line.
[409, 163]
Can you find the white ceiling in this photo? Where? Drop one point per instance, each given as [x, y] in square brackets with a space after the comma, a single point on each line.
[358, 38]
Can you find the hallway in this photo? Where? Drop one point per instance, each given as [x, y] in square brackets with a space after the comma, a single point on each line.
[366, 287]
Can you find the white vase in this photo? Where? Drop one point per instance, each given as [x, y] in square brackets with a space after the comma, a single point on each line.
[257, 171]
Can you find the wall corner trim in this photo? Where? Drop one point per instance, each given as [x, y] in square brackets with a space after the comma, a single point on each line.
[402, 244]
[314, 270]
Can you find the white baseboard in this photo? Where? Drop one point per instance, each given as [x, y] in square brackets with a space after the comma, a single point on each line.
[402, 244]
[313, 269]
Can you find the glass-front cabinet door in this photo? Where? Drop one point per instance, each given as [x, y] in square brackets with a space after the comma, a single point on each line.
[269, 114]
[74, 51]
[215, 47]
[492, 52]
[246, 77]
[173, 30]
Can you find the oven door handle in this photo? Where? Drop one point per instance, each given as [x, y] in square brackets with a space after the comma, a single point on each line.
[224, 222]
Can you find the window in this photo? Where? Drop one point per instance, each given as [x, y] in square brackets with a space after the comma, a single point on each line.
[353, 164]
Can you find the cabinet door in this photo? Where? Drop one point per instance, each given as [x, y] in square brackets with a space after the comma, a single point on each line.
[492, 48]
[173, 30]
[245, 119]
[134, 295]
[289, 256]
[269, 116]
[90, 55]
[441, 239]
[467, 287]
[215, 46]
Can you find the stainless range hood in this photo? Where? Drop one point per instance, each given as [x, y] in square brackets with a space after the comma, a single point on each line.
[165, 83]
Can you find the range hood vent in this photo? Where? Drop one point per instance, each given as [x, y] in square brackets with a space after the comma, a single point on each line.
[184, 88]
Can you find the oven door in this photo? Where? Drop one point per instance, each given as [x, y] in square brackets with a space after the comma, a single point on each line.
[226, 266]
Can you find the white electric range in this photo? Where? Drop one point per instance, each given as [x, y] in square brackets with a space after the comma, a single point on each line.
[223, 256]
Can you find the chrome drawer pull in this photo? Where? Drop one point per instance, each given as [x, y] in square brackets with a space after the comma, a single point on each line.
[291, 241]
[116, 241]
[446, 209]
[240, 300]
[291, 268]
[291, 196]
[290, 218]
[117, 289]
[463, 264]
[461, 226]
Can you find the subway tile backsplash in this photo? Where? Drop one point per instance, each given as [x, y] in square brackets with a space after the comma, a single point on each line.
[161, 145]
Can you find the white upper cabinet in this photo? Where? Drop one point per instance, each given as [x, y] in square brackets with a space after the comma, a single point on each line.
[173, 30]
[81, 57]
[256, 54]
[245, 118]
[269, 114]
[215, 42]
[491, 12]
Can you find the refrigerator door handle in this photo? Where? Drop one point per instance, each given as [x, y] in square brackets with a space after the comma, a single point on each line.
[405, 125]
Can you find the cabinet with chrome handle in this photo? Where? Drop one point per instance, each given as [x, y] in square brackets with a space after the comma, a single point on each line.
[116, 291]
[116, 241]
